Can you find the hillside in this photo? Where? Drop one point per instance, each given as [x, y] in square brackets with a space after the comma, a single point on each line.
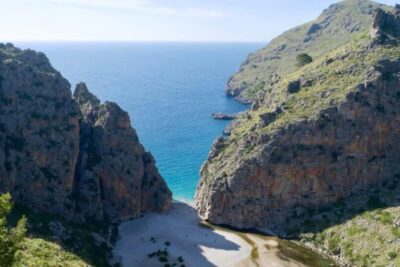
[50, 238]
[38, 252]
[336, 26]
[363, 230]
[322, 133]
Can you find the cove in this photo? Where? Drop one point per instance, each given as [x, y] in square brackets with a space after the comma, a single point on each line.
[169, 90]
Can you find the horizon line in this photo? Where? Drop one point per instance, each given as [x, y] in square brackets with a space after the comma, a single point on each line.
[130, 41]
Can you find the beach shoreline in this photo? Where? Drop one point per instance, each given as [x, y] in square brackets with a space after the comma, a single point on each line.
[179, 237]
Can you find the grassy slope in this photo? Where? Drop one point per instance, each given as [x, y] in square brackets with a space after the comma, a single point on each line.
[38, 252]
[43, 248]
[363, 230]
[330, 86]
[339, 24]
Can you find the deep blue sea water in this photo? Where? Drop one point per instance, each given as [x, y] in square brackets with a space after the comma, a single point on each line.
[169, 90]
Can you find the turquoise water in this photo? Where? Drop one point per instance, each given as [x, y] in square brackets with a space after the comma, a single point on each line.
[169, 90]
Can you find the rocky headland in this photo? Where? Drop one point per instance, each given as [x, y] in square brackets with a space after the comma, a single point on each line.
[71, 156]
[336, 26]
[316, 136]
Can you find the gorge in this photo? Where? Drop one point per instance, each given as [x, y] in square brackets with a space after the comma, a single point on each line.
[305, 175]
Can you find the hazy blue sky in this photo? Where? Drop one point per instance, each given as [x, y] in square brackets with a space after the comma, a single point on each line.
[154, 20]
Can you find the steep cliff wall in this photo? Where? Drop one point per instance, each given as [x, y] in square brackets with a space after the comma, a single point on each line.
[74, 157]
[110, 156]
[332, 136]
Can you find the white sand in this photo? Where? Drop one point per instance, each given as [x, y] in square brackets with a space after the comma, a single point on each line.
[199, 246]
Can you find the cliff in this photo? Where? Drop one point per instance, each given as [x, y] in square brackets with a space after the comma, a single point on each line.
[70, 156]
[336, 26]
[335, 135]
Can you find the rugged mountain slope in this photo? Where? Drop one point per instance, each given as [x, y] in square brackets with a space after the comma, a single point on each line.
[363, 230]
[336, 26]
[319, 134]
[72, 157]
[110, 156]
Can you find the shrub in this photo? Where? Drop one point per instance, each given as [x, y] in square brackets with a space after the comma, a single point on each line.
[163, 259]
[396, 232]
[386, 218]
[11, 239]
[303, 59]
[392, 255]
[334, 244]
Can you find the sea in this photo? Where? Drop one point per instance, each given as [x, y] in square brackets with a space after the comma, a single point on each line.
[168, 89]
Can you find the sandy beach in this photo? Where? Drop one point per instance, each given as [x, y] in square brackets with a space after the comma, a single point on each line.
[190, 244]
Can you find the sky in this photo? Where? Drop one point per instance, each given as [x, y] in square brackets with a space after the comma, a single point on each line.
[154, 20]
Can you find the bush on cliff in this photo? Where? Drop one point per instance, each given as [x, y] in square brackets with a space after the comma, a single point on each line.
[11, 239]
[16, 249]
[303, 59]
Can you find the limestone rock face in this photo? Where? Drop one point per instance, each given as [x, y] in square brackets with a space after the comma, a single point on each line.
[114, 171]
[39, 129]
[310, 163]
[344, 140]
[386, 25]
[70, 156]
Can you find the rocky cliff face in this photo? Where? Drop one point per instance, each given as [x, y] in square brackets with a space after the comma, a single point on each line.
[73, 157]
[385, 27]
[336, 134]
[110, 156]
[336, 26]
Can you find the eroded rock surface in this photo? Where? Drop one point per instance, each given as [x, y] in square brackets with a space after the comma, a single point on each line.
[386, 25]
[70, 156]
[309, 148]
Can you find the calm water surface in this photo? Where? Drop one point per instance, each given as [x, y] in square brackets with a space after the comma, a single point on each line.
[169, 90]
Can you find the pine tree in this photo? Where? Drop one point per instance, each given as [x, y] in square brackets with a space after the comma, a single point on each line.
[11, 239]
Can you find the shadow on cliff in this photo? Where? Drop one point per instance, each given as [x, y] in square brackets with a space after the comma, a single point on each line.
[181, 229]
[74, 238]
[315, 220]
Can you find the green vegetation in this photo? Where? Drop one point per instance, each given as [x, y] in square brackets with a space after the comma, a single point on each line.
[317, 38]
[38, 252]
[254, 249]
[77, 248]
[328, 86]
[17, 249]
[361, 233]
[303, 59]
[364, 229]
[164, 258]
[290, 250]
[11, 239]
[333, 244]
